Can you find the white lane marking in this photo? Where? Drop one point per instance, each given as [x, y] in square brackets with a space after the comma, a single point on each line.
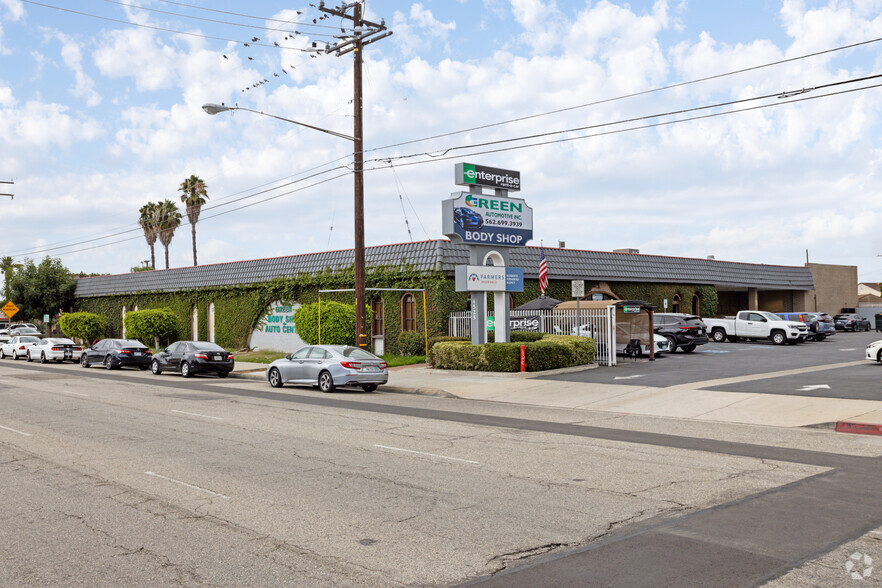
[813, 387]
[74, 393]
[199, 415]
[628, 377]
[185, 484]
[855, 349]
[15, 431]
[429, 454]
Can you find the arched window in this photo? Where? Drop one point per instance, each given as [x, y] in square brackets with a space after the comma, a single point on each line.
[211, 322]
[378, 324]
[696, 305]
[675, 306]
[194, 327]
[124, 322]
[408, 313]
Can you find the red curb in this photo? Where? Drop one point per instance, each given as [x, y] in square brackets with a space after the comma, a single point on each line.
[858, 428]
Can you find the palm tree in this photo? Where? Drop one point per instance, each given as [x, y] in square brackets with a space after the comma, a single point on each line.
[194, 194]
[7, 265]
[169, 219]
[149, 222]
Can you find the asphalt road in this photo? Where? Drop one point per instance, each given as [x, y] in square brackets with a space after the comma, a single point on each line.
[831, 377]
[124, 478]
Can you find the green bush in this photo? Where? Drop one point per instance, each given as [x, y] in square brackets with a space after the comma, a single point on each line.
[85, 326]
[338, 323]
[411, 343]
[441, 339]
[459, 355]
[525, 336]
[584, 348]
[503, 357]
[152, 326]
[547, 355]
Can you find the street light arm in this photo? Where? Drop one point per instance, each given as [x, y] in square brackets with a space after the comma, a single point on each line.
[218, 108]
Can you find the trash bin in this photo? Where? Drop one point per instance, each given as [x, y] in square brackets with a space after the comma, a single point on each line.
[878, 321]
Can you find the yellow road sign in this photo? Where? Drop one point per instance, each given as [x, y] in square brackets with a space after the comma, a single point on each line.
[9, 309]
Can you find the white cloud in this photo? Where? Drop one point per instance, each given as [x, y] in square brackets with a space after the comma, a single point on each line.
[415, 31]
[73, 58]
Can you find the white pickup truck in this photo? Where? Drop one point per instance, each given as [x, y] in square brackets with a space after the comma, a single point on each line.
[756, 324]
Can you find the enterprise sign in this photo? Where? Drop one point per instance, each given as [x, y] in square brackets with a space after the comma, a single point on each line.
[489, 278]
[487, 220]
[469, 174]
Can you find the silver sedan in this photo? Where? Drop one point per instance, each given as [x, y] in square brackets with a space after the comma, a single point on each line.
[329, 366]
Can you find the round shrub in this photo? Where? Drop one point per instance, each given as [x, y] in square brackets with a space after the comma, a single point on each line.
[411, 343]
[338, 323]
[85, 326]
[152, 326]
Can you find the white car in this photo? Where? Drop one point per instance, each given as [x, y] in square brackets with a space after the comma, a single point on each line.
[874, 351]
[17, 346]
[662, 344]
[55, 349]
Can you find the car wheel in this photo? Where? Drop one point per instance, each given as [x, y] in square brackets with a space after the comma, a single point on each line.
[326, 382]
[275, 378]
[84, 361]
[154, 367]
[688, 348]
[718, 335]
[43, 357]
[108, 362]
[879, 356]
[673, 343]
[28, 356]
[2, 355]
[223, 374]
[372, 387]
[185, 370]
[779, 338]
[14, 355]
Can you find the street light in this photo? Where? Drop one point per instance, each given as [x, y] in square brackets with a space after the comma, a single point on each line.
[358, 174]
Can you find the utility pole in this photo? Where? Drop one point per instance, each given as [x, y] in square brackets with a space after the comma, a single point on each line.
[9, 183]
[363, 33]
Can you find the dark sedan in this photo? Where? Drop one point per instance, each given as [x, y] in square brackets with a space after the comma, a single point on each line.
[116, 353]
[851, 322]
[193, 357]
[684, 331]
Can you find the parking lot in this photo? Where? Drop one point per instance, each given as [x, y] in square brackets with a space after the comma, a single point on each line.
[834, 368]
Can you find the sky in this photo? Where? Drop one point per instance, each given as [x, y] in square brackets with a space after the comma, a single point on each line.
[777, 159]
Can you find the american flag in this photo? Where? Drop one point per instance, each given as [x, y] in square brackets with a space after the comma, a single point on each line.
[543, 273]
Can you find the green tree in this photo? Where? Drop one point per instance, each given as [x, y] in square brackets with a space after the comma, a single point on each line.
[85, 326]
[154, 324]
[194, 194]
[337, 323]
[149, 222]
[169, 219]
[47, 288]
[7, 266]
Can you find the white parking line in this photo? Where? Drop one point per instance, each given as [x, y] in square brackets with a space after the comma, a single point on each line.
[15, 431]
[199, 415]
[74, 393]
[185, 484]
[429, 454]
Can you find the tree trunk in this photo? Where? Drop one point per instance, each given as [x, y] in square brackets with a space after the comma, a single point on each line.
[193, 226]
[152, 257]
[166, 256]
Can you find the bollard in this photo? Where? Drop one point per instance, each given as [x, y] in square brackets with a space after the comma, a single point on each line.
[523, 358]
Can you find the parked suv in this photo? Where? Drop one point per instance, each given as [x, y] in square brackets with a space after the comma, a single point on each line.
[819, 324]
[685, 331]
[851, 322]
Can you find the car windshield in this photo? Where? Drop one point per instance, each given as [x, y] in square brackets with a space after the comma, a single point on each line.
[28, 340]
[356, 353]
[60, 342]
[127, 343]
[26, 330]
[771, 316]
[840, 316]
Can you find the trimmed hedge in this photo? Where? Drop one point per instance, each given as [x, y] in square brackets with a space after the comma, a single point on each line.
[410, 343]
[550, 353]
[338, 323]
[152, 326]
[441, 339]
[85, 326]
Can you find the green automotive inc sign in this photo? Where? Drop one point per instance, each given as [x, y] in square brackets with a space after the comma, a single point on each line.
[469, 174]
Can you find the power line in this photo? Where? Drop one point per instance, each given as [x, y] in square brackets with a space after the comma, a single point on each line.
[247, 15]
[155, 28]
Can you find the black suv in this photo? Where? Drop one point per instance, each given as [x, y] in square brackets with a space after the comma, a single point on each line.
[685, 331]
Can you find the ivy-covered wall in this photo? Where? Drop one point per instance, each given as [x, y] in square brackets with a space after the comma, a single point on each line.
[239, 308]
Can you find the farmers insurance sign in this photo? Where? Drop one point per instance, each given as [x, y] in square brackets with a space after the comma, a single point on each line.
[487, 220]
[469, 174]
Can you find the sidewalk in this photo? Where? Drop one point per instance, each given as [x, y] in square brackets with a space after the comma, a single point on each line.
[676, 401]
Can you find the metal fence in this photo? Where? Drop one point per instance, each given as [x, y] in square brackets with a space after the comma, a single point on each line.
[598, 323]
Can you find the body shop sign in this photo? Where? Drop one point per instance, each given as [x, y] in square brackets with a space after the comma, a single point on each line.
[276, 329]
[487, 220]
